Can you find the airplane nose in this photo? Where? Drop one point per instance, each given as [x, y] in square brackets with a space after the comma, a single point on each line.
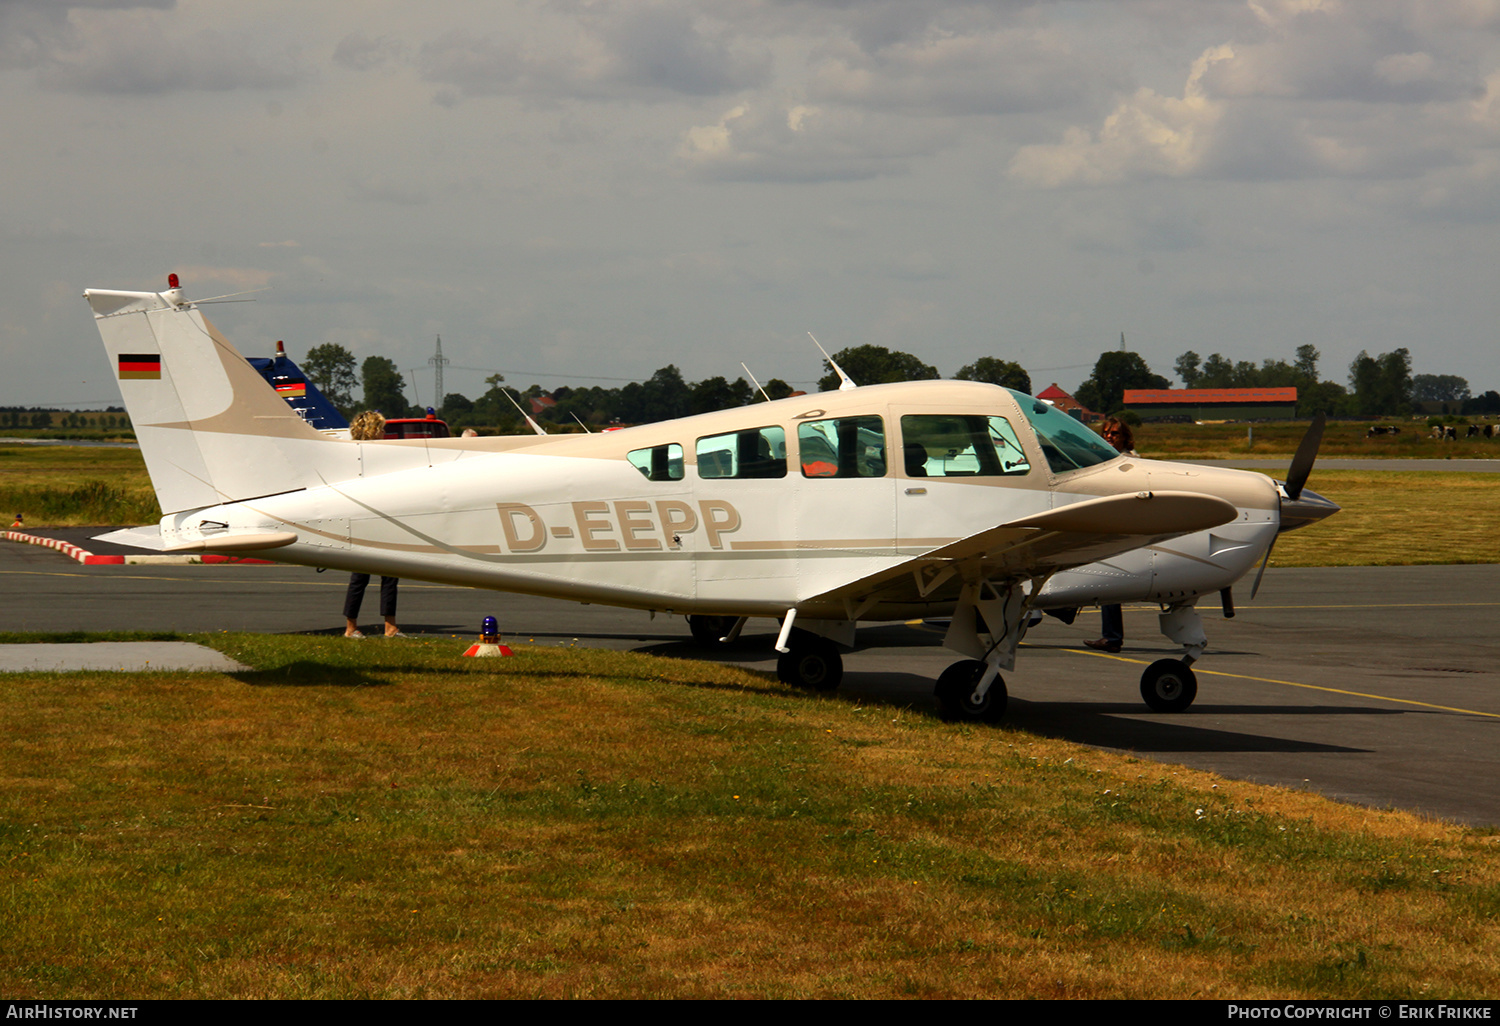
[1307, 508]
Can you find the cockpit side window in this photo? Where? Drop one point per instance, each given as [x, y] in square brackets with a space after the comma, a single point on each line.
[961, 445]
[842, 447]
[658, 463]
[756, 453]
[1067, 444]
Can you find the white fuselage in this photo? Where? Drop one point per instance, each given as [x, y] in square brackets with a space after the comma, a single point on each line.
[571, 517]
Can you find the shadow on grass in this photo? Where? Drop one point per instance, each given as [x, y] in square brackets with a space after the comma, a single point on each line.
[306, 673]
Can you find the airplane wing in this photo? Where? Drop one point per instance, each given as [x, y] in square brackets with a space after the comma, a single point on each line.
[1057, 539]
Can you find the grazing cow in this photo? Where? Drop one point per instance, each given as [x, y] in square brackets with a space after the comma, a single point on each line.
[1382, 429]
[1473, 431]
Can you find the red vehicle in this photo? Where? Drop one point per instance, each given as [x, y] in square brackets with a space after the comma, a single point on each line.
[417, 427]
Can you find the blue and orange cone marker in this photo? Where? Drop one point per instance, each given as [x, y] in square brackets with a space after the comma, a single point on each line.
[489, 640]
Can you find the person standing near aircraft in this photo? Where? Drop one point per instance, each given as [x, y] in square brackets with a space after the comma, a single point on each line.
[1112, 617]
[355, 596]
[367, 426]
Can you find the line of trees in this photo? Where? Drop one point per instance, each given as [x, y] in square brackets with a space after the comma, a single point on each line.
[1380, 385]
[663, 396]
[39, 417]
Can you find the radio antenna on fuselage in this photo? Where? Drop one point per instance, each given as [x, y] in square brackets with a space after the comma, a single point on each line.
[845, 381]
[534, 425]
[758, 387]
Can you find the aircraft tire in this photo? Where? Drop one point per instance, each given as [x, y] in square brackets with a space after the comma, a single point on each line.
[1169, 686]
[955, 693]
[814, 664]
[709, 630]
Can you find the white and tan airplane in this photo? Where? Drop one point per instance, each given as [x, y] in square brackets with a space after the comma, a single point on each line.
[931, 499]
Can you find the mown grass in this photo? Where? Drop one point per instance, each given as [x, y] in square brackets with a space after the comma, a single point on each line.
[68, 486]
[1342, 439]
[391, 820]
[1398, 518]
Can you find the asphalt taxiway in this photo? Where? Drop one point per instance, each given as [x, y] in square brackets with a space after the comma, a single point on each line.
[1374, 685]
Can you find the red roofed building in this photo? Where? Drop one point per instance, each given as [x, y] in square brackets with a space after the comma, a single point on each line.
[1212, 403]
[1065, 402]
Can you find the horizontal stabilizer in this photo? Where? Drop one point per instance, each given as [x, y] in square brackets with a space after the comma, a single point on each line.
[237, 543]
[148, 537]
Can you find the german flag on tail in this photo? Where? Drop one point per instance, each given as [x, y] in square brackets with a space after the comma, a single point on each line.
[140, 366]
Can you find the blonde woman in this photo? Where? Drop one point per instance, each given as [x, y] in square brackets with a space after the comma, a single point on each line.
[366, 427]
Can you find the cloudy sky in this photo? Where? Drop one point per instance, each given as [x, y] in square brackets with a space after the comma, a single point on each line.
[576, 191]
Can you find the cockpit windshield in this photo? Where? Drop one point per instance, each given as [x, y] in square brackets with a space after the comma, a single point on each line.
[1067, 444]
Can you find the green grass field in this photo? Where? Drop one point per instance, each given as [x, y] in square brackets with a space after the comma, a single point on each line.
[385, 820]
[67, 485]
[1345, 440]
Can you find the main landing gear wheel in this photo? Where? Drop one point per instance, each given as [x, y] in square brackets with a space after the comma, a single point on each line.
[710, 630]
[813, 663]
[955, 693]
[1169, 686]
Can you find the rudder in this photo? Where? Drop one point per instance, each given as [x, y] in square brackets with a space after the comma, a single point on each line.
[211, 429]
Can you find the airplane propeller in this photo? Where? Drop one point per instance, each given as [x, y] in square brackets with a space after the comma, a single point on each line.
[1299, 507]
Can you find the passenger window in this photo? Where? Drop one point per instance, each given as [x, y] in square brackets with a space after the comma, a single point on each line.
[756, 453]
[658, 463]
[842, 447]
[961, 445]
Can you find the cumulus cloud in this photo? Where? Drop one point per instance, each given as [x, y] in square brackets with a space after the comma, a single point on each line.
[985, 72]
[1147, 135]
[617, 52]
[133, 48]
[1318, 88]
[1332, 51]
[804, 143]
[31, 31]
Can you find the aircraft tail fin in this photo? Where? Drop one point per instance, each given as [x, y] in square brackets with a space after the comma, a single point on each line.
[211, 429]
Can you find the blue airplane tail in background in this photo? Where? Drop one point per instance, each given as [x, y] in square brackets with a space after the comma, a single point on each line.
[300, 394]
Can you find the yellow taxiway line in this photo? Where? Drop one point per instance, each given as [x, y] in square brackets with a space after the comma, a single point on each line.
[1296, 684]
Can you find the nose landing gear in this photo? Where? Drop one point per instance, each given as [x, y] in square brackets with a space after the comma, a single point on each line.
[1169, 685]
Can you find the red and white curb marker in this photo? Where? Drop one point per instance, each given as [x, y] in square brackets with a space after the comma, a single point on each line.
[66, 548]
[88, 558]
